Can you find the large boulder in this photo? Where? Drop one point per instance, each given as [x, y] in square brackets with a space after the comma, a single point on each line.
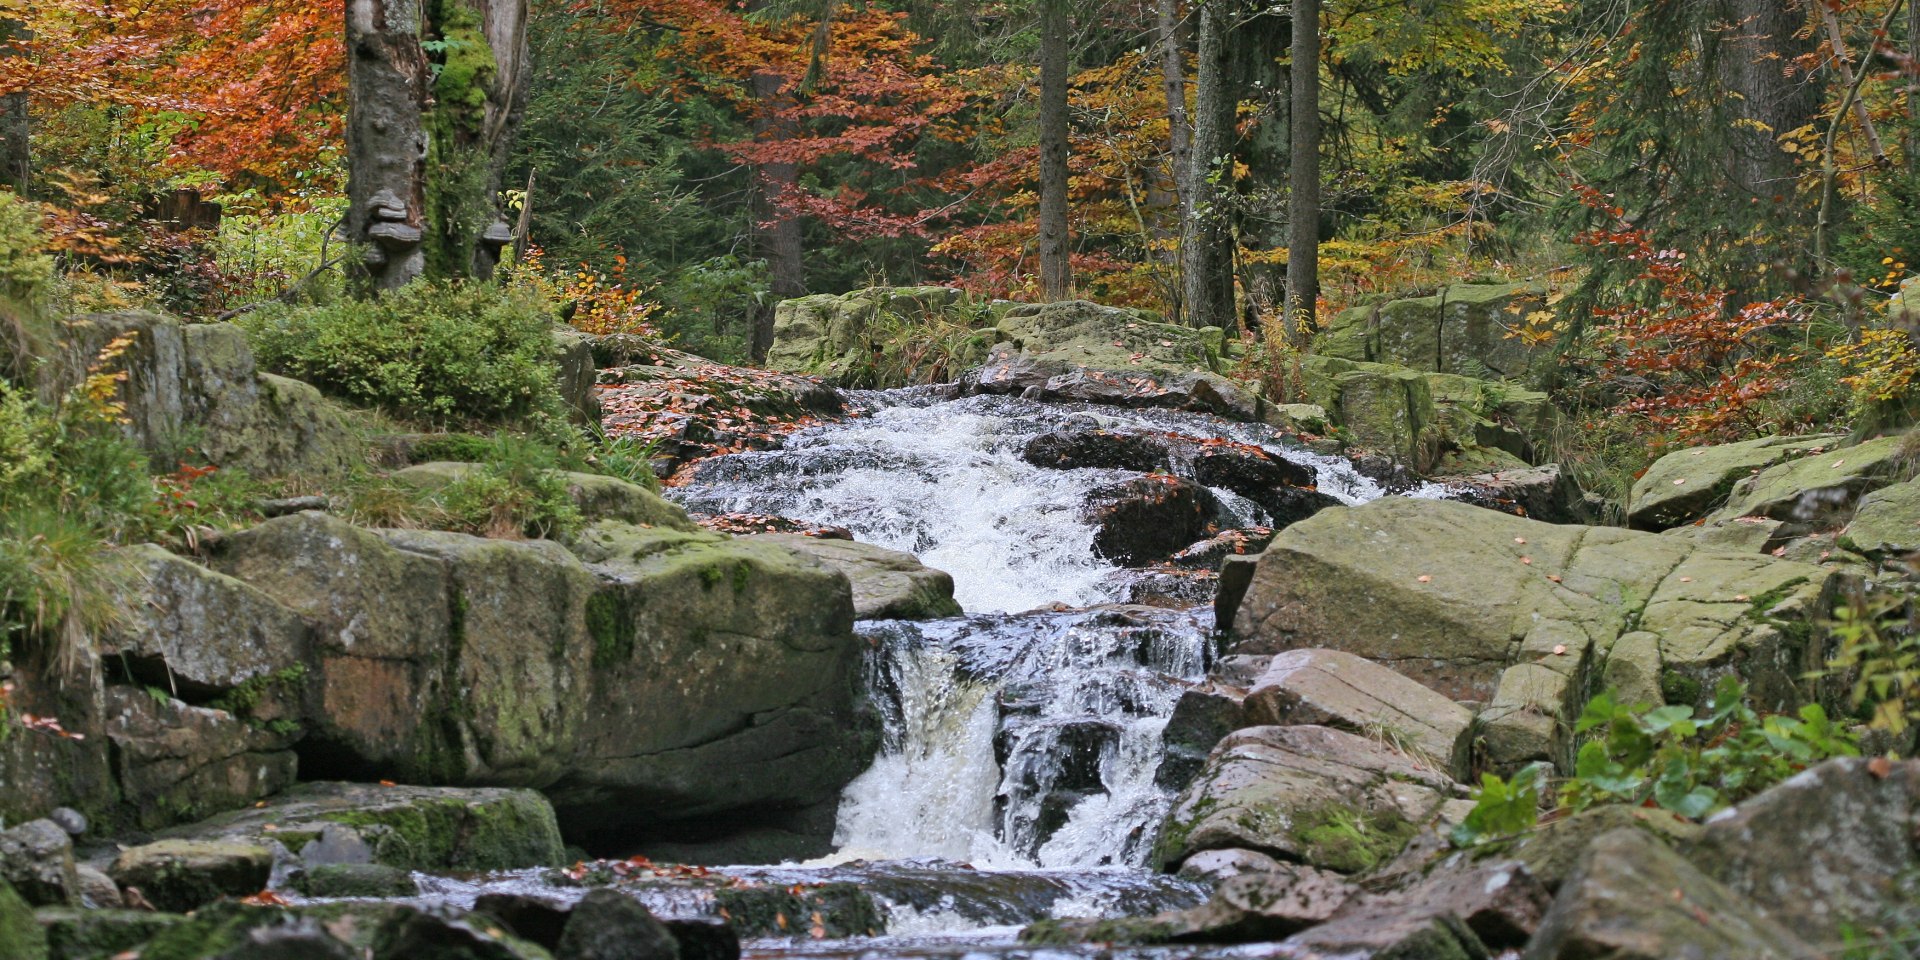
[181, 875]
[573, 354]
[597, 497]
[887, 584]
[412, 828]
[725, 677]
[1418, 418]
[196, 387]
[1686, 485]
[174, 762]
[845, 338]
[1518, 614]
[1338, 689]
[1466, 329]
[1305, 794]
[1827, 852]
[1632, 898]
[36, 861]
[195, 632]
[1819, 486]
[1887, 522]
[1147, 519]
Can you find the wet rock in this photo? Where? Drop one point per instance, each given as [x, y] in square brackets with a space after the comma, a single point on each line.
[1201, 718]
[434, 934]
[410, 828]
[1073, 449]
[1251, 907]
[608, 925]
[1209, 553]
[887, 584]
[97, 890]
[36, 860]
[1147, 519]
[530, 918]
[1306, 794]
[180, 875]
[1823, 854]
[1214, 866]
[1338, 689]
[844, 910]
[705, 939]
[1634, 899]
[1686, 485]
[1542, 493]
[362, 880]
[1516, 613]
[67, 818]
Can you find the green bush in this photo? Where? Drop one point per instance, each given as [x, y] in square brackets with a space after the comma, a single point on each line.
[26, 272]
[445, 353]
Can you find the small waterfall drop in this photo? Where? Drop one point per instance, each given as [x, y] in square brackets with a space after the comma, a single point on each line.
[1013, 740]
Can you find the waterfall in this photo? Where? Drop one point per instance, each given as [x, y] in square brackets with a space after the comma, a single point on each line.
[1013, 740]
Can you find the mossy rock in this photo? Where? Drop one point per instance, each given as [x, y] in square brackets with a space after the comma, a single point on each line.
[184, 874]
[597, 497]
[843, 910]
[74, 934]
[1462, 329]
[21, 935]
[355, 880]
[1686, 485]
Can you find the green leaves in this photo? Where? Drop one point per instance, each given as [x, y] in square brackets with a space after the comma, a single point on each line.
[1667, 757]
[1502, 808]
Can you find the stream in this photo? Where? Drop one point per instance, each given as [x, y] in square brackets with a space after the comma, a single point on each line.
[1016, 778]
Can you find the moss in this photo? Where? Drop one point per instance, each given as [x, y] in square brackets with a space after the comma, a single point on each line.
[452, 834]
[612, 628]
[1765, 602]
[710, 577]
[241, 700]
[211, 931]
[1174, 833]
[1352, 841]
[459, 202]
[100, 934]
[21, 937]
[1678, 688]
[742, 574]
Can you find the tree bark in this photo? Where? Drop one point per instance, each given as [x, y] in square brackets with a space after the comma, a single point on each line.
[1765, 34]
[1206, 244]
[776, 235]
[1303, 205]
[16, 128]
[1056, 272]
[1173, 78]
[427, 134]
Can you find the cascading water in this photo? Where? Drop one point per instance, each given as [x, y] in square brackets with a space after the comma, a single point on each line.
[1013, 740]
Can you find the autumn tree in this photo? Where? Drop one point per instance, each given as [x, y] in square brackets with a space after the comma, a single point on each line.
[1303, 251]
[1056, 277]
[436, 91]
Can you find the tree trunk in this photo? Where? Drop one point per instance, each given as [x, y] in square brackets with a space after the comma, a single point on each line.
[1206, 244]
[776, 235]
[1173, 77]
[1764, 35]
[1303, 205]
[1912, 143]
[1056, 272]
[427, 134]
[16, 157]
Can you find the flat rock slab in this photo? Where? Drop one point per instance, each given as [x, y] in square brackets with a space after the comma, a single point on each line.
[1887, 523]
[180, 875]
[1338, 689]
[412, 828]
[1306, 794]
[1686, 485]
[1815, 486]
[1632, 898]
[887, 584]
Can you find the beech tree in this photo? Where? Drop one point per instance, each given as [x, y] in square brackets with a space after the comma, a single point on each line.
[436, 88]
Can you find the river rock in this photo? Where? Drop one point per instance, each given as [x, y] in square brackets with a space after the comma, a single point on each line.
[366, 880]
[826, 911]
[1632, 898]
[195, 632]
[36, 860]
[406, 827]
[1452, 913]
[530, 918]
[1465, 328]
[1887, 523]
[1542, 493]
[180, 875]
[1306, 794]
[887, 584]
[97, 890]
[95, 934]
[1213, 866]
[1517, 613]
[1827, 852]
[1201, 718]
[608, 925]
[838, 337]
[176, 762]
[761, 711]
[1686, 485]
[1552, 850]
[1338, 689]
[705, 939]
[1148, 519]
[1815, 487]
[1073, 449]
[1256, 906]
[596, 496]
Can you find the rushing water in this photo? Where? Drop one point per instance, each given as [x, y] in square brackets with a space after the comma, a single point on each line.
[1016, 780]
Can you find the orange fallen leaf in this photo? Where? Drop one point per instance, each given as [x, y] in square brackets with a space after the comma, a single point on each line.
[1425, 579]
[1880, 767]
[1559, 649]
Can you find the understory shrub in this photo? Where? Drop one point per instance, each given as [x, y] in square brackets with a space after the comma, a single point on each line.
[439, 352]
